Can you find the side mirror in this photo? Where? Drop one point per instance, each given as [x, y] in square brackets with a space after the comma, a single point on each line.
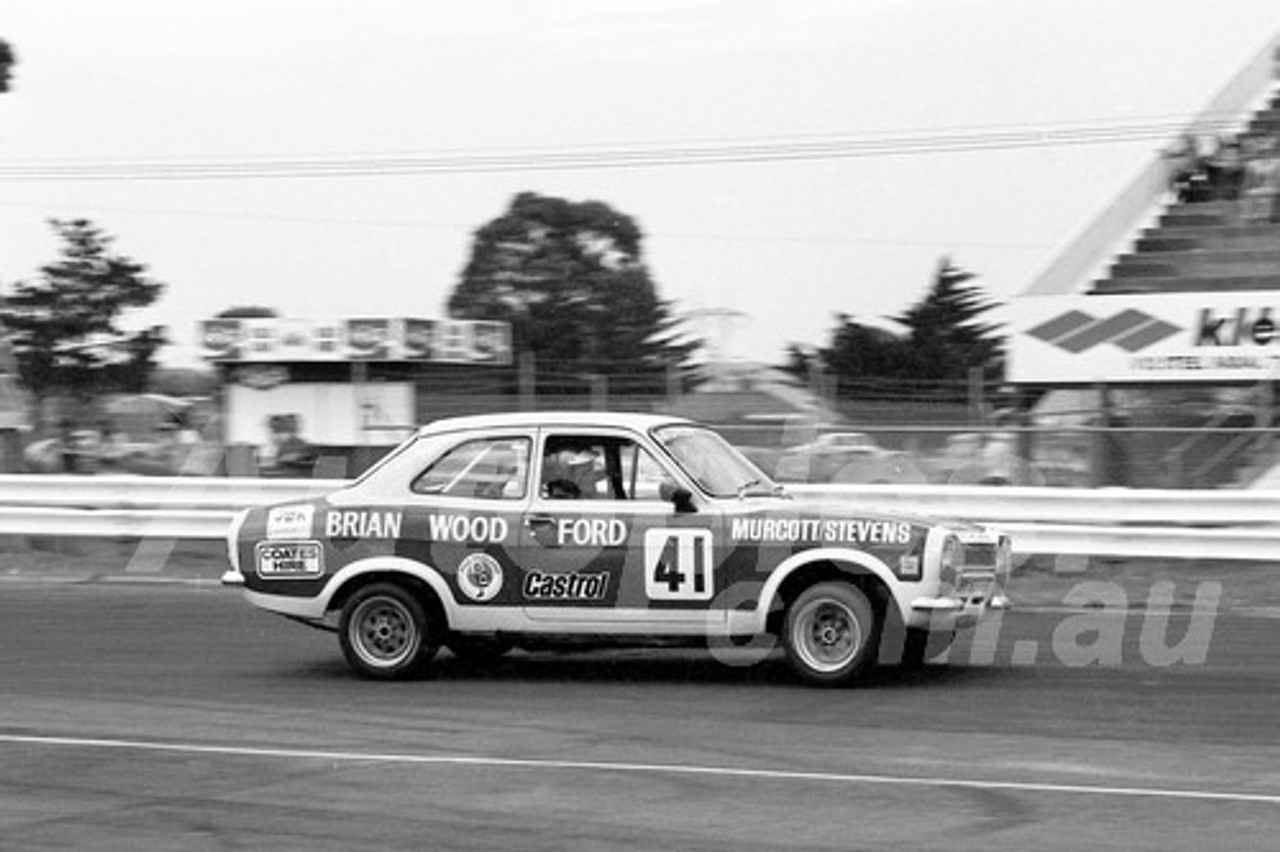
[681, 498]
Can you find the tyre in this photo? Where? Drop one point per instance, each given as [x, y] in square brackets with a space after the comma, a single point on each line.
[831, 634]
[385, 633]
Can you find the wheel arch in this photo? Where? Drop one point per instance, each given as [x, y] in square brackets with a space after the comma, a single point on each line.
[802, 570]
[425, 583]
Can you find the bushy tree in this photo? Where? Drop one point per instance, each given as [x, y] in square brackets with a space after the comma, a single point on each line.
[63, 325]
[863, 350]
[570, 278]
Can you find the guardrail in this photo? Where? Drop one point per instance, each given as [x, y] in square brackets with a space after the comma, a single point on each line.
[1099, 522]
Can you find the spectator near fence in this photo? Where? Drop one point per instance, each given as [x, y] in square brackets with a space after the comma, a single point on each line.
[288, 453]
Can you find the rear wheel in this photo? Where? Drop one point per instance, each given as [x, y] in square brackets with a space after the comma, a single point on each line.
[831, 634]
[385, 633]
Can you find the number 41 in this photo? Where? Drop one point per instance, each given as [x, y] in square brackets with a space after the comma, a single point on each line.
[678, 564]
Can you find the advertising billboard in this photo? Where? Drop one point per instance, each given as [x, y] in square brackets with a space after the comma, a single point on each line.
[1226, 337]
[280, 339]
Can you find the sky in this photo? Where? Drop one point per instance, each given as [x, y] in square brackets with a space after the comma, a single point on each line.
[787, 161]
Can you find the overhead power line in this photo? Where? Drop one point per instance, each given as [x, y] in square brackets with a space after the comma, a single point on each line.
[625, 156]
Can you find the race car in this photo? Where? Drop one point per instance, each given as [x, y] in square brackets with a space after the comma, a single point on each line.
[482, 534]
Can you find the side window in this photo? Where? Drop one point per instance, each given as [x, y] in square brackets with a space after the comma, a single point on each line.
[575, 467]
[643, 476]
[586, 467]
[488, 469]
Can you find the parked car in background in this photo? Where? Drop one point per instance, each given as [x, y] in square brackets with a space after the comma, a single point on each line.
[482, 534]
[846, 457]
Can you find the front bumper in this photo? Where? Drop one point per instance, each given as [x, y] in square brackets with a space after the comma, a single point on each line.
[954, 612]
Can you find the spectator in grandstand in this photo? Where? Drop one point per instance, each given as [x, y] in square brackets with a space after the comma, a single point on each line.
[1187, 174]
[1224, 170]
[1261, 184]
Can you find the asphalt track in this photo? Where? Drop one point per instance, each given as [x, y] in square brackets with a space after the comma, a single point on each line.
[144, 715]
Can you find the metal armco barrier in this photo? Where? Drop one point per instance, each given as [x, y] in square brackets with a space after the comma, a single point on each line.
[1101, 522]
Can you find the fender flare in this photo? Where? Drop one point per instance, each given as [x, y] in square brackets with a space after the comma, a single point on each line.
[835, 555]
[393, 565]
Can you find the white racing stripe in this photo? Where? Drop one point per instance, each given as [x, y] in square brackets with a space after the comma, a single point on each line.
[641, 768]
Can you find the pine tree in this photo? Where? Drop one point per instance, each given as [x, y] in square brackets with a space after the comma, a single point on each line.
[945, 340]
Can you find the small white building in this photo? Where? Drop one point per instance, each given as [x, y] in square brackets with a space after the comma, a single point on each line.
[345, 382]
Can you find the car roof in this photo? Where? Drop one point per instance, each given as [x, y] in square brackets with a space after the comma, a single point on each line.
[559, 419]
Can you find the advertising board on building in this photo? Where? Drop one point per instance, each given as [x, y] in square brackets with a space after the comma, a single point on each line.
[280, 339]
[1138, 339]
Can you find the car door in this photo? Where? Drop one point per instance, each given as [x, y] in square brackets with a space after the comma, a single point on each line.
[603, 547]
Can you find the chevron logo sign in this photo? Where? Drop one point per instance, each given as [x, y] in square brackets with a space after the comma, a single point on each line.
[1077, 331]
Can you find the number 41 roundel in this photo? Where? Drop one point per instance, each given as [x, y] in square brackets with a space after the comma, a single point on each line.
[677, 564]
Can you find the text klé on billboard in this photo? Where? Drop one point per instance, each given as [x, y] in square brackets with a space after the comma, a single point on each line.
[1168, 337]
[1243, 327]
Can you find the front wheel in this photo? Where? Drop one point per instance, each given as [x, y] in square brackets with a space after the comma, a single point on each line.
[831, 634]
[385, 633]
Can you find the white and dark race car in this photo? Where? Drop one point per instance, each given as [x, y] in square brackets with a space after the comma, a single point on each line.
[482, 534]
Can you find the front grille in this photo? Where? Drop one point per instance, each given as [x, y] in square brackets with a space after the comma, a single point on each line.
[979, 556]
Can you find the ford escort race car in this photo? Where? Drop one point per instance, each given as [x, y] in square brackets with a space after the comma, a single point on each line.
[480, 534]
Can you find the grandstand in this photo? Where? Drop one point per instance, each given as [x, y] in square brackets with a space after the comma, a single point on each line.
[1162, 318]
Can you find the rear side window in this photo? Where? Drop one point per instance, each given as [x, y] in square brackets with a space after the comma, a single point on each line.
[486, 468]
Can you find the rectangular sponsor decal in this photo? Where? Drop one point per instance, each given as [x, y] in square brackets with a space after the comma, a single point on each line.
[541, 586]
[290, 521]
[289, 559]
[820, 530]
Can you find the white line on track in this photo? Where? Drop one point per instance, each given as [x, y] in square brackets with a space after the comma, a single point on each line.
[640, 768]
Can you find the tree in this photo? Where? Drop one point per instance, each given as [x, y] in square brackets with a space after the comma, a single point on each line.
[7, 61]
[946, 341]
[943, 341]
[570, 278]
[863, 350]
[63, 328]
[248, 312]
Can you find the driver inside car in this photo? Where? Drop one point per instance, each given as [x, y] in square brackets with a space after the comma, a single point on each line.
[573, 474]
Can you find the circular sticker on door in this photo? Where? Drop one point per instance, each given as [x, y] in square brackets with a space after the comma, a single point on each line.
[480, 577]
